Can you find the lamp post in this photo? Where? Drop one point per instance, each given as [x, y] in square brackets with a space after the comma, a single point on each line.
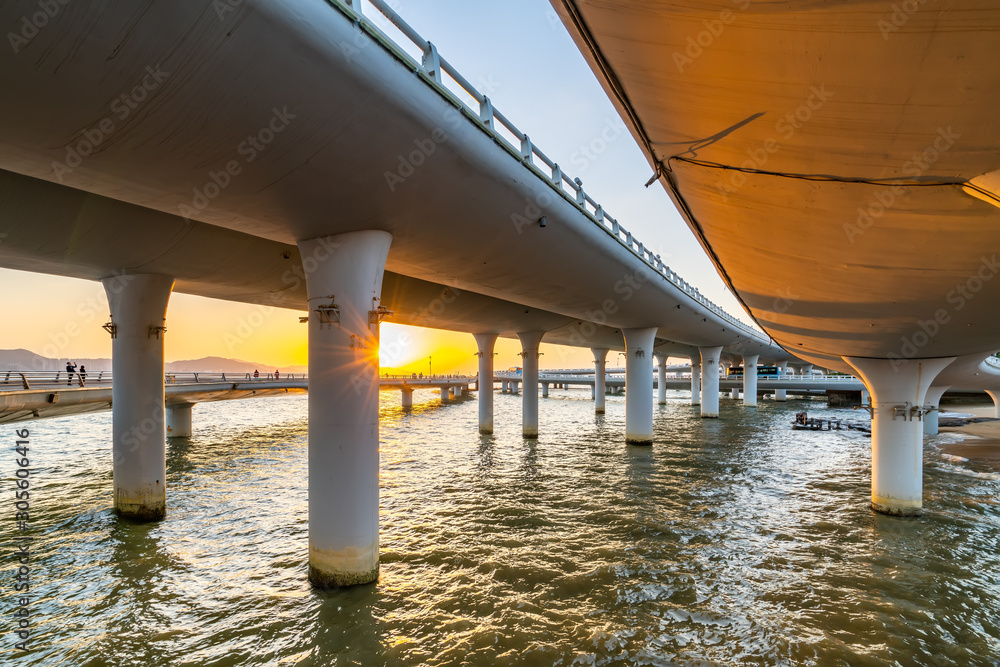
[430, 368]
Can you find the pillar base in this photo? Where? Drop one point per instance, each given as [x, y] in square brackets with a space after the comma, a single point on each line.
[897, 507]
[322, 578]
[139, 510]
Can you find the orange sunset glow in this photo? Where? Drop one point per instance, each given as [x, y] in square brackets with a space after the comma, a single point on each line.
[260, 335]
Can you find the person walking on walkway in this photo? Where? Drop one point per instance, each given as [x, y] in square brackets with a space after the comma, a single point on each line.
[70, 368]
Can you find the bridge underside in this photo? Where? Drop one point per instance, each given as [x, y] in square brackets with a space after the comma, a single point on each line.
[819, 150]
[91, 237]
[286, 122]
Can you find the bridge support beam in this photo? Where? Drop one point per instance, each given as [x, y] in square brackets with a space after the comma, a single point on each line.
[530, 340]
[750, 379]
[734, 393]
[710, 381]
[545, 389]
[899, 389]
[781, 394]
[696, 380]
[407, 398]
[343, 405]
[639, 385]
[485, 342]
[138, 313]
[661, 380]
[933, 403]
[600, 375]
[179, 420]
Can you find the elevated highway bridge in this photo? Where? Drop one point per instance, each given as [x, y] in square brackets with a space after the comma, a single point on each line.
[337, 174]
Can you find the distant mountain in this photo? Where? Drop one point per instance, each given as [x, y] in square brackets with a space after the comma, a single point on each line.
[25, 360]
[223, 365]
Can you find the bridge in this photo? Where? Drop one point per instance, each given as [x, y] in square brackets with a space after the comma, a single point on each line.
[38, 394]
[342, 173]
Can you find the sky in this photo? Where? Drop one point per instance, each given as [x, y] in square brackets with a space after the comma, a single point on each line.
[517, 52]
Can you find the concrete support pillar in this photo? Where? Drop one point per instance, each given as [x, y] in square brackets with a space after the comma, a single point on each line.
[486, 341]
[995, 395]
[807, 370]
[750, 379]
[600, 374]
[639, 385]
[344, 286]
[710, 381]
[780, 394]
[504, 386]
[866, 398]
[515, 387]
[695, 380]
[407, 399]
[530, 341]
[661, 380]
[179, 420]
[933, 402]
[899, 389]
[545, 390]
[138, 314]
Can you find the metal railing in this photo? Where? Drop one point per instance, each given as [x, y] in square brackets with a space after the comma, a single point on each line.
[437, 72]
[38, 379]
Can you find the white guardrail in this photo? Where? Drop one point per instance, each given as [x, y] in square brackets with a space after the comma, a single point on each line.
[39, 379]
[543, 375]
[439, 73]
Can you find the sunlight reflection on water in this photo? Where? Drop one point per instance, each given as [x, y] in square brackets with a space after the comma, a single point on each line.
[728, 541]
